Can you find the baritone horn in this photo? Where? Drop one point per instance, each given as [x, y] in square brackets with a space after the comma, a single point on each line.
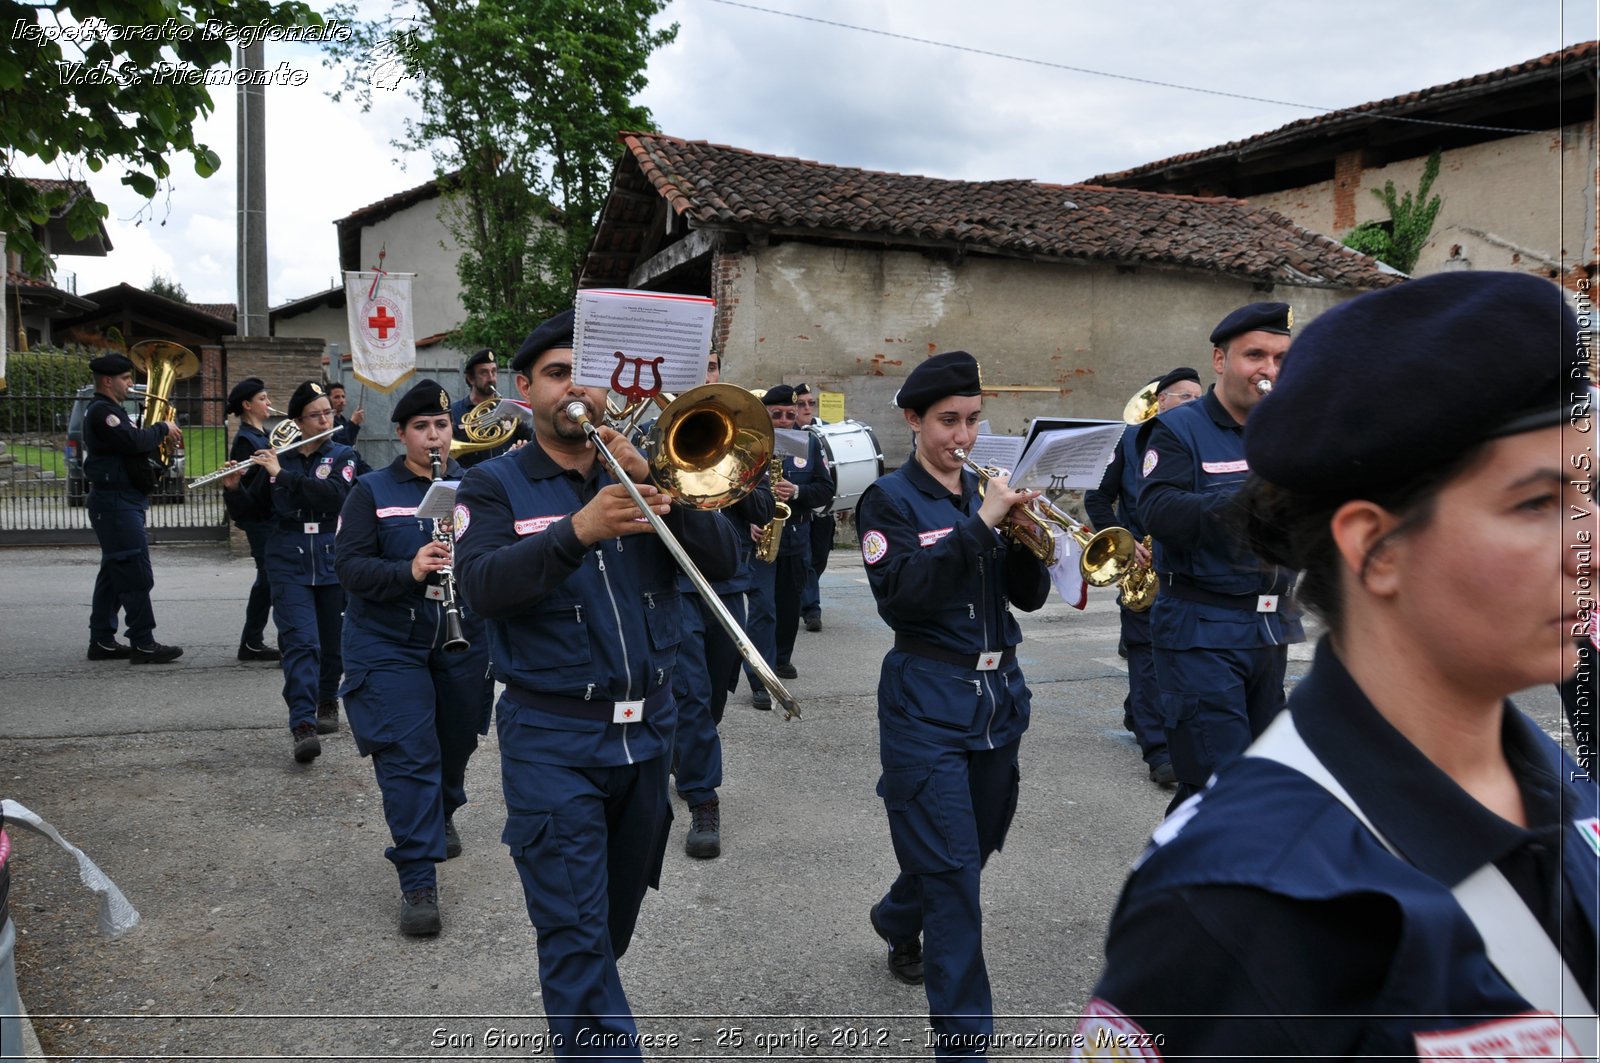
[163, 365]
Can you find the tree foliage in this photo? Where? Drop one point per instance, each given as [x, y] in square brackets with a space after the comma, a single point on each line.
[1400, 240]
[521, 103]
[165, 286]
[90, 83]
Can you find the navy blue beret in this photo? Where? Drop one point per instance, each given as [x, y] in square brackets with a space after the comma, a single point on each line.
[427, 397]
[478, 358]
[1257, 317]
[243, 392]
[778, 395]
[110, 365]
[1403, 380]
[802, 389]
[939, 377]
[1177, 376]
[556, 332]
[304, 396]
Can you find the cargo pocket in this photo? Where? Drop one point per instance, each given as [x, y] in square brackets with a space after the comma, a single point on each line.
[917, 823]
[546, 883]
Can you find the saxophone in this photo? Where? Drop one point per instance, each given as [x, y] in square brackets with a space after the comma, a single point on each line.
[772, 534]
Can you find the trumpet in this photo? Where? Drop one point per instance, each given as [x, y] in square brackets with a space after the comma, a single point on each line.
[692, 454]
[1106, 557]
[1264, 386]
[455, 640]
[282, 442]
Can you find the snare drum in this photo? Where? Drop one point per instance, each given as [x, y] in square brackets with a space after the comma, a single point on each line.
[854, 456]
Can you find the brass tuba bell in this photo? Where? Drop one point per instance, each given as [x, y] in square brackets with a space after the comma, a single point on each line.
[163, 365]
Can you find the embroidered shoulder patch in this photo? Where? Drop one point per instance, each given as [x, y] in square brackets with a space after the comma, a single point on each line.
[324, 471]
[535, 525]
[1150, 459]
[349, 472]
[1104, 1032]
[460, 517]
[112, 420]
[1531, 1035]
[874, 547]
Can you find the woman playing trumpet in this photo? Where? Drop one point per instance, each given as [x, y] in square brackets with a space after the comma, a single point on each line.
[952, 703]
[415, 707]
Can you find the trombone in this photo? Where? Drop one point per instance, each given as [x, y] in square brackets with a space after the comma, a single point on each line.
[282, 441]
[701, 445]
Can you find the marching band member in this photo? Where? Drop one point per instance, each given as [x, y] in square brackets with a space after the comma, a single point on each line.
[708, 668]
[300, 498]
[1114, 503]
[480, 372]
[807, 484]
[584, 626]
[248, 401]
[415, 706]
[1403, 865]
[117, 471]
[952, 703]
[1222, 624]
[822, 524]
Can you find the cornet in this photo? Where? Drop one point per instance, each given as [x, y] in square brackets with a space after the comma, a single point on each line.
[1264, 386]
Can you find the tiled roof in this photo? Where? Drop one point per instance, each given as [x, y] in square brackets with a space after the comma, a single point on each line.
[1411, 105]
[225, 311]
[720, 187]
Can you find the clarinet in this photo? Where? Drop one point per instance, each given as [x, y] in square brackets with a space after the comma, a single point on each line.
[455, 641]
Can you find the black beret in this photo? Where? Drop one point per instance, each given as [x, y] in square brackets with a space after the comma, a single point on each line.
[939, 377]
[243, 392]
[1177, 376]
[1257, 317]
[110, 365]
[1407, 379]
[478, 358]
[557, 332]
[778, 395]
[427, 397]
[304, 396]
[802, 389]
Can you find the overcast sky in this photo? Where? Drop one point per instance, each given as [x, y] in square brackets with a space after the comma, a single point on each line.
[788, 86]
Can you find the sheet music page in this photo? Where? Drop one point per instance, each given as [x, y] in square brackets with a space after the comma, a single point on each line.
[1003, 452]
[508, 409]
[1068, 458]
[791, 442]
[440, 500]
[620, 335]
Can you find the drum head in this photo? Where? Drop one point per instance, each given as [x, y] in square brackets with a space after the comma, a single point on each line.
[855, 458]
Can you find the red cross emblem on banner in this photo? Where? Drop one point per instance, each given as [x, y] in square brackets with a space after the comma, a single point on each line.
[382, 322]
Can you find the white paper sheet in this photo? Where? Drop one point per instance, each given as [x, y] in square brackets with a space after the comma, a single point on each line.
[658, 339]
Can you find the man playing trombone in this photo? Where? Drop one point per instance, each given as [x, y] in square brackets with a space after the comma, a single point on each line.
[584, 620]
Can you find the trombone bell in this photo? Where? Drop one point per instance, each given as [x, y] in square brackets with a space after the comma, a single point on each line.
[709, 446]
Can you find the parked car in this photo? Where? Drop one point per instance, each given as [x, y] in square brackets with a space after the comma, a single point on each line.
[172, 485]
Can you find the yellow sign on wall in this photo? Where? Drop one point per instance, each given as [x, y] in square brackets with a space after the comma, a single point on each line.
[830, 406]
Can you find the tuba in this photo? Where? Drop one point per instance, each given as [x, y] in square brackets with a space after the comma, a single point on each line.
[163, 365]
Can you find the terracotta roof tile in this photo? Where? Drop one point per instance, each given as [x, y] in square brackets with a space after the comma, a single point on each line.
[715, 186]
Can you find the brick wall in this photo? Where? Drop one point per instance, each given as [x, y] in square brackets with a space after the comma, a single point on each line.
[1347, 169]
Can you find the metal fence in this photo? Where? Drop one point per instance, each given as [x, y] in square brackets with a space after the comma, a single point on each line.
[42, 490]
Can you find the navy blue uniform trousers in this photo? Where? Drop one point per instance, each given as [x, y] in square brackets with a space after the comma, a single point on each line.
[309, 622]
[259, 606]
[708, 662]
[125, 577]
[587, 843]
[418, 711]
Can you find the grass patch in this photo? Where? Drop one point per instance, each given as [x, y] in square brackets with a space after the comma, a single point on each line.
[47, 460]
[205, 448]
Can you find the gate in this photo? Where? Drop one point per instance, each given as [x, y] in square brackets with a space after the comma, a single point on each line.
[42, 490]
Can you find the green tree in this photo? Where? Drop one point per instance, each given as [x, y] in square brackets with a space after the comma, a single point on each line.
[161, 284]
[78, 91]
[521, 103]
[1400, 240]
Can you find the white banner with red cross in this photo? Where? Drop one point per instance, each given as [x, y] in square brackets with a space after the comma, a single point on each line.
[383, 346]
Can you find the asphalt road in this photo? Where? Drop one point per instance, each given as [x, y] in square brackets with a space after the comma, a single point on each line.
[269, 911]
